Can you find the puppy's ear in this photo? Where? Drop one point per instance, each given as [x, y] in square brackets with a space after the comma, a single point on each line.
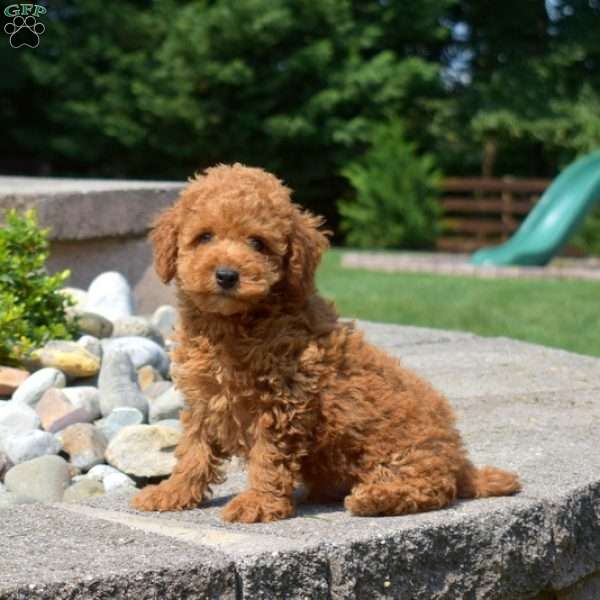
[164, 241]
[306, 246]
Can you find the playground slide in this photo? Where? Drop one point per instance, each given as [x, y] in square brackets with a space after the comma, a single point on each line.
[553, 220]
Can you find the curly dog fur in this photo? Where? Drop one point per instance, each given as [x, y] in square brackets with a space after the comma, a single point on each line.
[269, 373]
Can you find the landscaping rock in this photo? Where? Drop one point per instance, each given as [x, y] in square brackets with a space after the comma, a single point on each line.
[117, 482]
[85, 445]
[164, 319]
[113, 480]
[44, 478]
[11, 379]
[86, 397]
[117, 384]
[109, 295]
[85, 488]
[15, 418]
[142, 351]
[22, 447]
[137, 327]
[5, 464]
[146, 376]
[69, 357]
[118, 419]
[99, 472]
[154, 390]
[172, 423]
[91, 344]
[53, 406]
[33, 388]
[8, 500]
[79, 415]
[94, 324]
[167, 406]
[144, 450]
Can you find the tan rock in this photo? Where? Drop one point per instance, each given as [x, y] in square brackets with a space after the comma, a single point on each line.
[144, 450]
[11, 379]
[86, 488]
[68, 357]
[85, 445]
[148, 375]
[54, 405]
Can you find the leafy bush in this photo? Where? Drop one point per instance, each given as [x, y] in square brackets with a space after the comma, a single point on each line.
[32, 310]
[587, 238]
[396, 203]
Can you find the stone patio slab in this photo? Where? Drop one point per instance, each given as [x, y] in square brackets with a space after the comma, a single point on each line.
[520, 406]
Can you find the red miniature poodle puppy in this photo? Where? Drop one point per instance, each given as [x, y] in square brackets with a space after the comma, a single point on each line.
[269, 373]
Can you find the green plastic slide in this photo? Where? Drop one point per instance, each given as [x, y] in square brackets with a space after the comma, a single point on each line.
[554, 219]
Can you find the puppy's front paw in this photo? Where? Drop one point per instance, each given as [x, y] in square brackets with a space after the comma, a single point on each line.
[254, 507]
[164, 497]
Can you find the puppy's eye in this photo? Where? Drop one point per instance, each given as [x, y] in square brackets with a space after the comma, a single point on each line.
[257, 244]
[204, 237]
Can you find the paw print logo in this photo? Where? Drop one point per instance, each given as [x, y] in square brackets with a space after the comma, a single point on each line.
[24, 31]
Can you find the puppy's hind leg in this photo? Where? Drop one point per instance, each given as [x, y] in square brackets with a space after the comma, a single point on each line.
[425, 485]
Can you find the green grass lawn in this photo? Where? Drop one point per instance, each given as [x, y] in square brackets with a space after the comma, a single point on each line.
[563, 314]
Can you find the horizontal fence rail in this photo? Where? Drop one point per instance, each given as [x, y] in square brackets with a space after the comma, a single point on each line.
[483, 211]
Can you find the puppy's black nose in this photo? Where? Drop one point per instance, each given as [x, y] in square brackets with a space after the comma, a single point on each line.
[226, 277]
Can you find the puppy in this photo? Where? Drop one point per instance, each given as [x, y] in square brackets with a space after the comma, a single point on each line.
[270, 374]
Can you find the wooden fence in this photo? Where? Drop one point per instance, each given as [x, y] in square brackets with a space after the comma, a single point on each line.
[482, 211]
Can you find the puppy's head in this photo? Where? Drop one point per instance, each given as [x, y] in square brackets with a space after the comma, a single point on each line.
[234, 240]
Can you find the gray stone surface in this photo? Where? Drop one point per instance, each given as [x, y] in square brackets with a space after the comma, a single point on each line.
[76, 209]
[522, 407]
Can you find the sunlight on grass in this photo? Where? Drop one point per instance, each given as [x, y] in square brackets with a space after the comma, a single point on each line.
[563, 314]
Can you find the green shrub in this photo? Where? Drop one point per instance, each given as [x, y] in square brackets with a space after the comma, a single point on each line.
[32, 310]
[396, 194]
[587, 238]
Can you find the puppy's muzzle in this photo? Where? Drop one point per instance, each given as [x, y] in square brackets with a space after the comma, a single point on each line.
[226, 278]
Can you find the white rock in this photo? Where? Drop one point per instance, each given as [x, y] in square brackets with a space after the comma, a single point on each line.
[16, 418]
[167, 406]
[115, 482]
[110, 295]
[120, 417]
[144, 450]
[33, 388]
[164, 319]
[31, 444]
[44, 478]
[142, 351]
[86, 397]
[99, 472]
[91, 344]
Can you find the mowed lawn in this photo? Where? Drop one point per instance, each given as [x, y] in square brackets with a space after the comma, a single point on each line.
[559, 313]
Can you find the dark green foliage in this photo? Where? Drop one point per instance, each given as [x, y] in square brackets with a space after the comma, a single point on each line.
[32, 311]
[165, 88]
[396, 194]
[587, 239]
[160, 89]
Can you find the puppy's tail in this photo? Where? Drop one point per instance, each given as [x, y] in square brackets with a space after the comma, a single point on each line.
[487, 481]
